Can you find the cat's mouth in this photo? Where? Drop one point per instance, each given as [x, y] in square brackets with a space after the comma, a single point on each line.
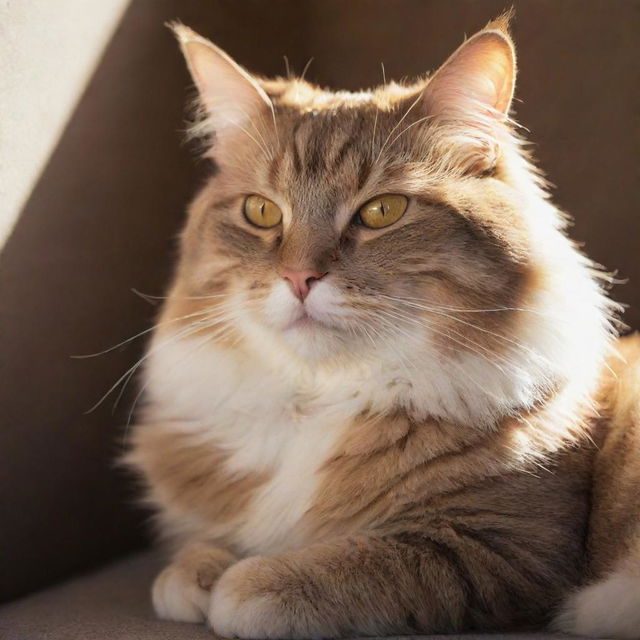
[304, 322]
[323, 311]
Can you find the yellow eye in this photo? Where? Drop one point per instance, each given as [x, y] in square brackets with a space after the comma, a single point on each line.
[383, 211]
[262, 212]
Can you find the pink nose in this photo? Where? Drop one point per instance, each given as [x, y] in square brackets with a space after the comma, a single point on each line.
[301, 281]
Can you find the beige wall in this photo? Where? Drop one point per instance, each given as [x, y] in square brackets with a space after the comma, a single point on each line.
[48, 51]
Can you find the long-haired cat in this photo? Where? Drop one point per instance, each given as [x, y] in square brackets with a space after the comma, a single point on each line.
[377, 398]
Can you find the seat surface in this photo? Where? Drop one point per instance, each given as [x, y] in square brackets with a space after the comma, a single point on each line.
[113, 603]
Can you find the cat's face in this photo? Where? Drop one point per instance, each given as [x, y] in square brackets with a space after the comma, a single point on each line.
[323, 274]
[339, 221]
[398, 236]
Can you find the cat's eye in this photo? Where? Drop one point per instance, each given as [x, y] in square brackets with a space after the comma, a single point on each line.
[383, 211]
[262, 212]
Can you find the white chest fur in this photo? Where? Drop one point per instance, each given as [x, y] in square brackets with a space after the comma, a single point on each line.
[265, 421]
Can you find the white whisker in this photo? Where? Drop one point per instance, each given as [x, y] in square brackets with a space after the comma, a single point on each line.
[413, 104]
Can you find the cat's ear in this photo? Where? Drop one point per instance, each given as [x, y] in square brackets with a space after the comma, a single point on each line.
[228, 94]
[474, 88]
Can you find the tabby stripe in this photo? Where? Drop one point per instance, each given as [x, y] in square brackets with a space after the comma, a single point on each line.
[497, 546]
[474, 604]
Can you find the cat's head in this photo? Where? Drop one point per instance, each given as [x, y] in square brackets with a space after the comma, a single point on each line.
[401, 224]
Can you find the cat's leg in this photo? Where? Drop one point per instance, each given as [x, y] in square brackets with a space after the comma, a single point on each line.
[397, 585]
[607, 608]
[183, 589]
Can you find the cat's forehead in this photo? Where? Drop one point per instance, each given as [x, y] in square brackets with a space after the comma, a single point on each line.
[330, 141]
[326, 157]
[304, 96]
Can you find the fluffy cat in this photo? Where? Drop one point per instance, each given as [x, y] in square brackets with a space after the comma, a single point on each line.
[375, 391]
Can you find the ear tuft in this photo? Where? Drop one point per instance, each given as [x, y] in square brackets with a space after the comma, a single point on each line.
[182, 32]
[502, 22]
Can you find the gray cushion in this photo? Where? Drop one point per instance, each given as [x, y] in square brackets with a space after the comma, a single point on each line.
[114, 604]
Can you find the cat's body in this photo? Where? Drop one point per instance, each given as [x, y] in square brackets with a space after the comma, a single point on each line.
[396, 428]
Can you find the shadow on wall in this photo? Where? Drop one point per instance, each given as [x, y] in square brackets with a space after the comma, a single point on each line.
[103, 218]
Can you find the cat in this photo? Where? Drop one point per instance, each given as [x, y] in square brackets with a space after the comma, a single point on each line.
[382, 396]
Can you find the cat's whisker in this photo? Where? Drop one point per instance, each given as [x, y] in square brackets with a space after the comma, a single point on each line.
[369, 326]
[473, 342]
[516, 343]
[126, 375]
[138, 335]
[261, 146]
[375, 119]
[174, 297]
[306, 68]
[132, 373]
[416, 340]
[191, 328]
[152, 300]
[257, 130]
[413, 124]
[511, 341]
[373, 136]
[419, 301]
[466, 344]
[412, 337]
[459, 366]
[406, 113]
[143, 388]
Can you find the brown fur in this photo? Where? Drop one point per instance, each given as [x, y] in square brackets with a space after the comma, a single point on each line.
[615, 525]
[191, 478]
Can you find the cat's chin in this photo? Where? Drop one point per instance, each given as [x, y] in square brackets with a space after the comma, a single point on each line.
[305, 323]
[312, 339]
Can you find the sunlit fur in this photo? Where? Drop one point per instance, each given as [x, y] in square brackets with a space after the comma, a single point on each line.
[419, 426]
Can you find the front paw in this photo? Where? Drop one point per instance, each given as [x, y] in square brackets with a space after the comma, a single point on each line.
[260, 597]
[182, 591]
[176, 596]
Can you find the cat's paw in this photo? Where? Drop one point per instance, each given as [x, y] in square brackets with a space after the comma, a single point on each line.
[182, 591]
[259, 598]
[176, 596]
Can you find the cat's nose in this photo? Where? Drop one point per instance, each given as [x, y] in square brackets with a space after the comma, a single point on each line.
[301, 281]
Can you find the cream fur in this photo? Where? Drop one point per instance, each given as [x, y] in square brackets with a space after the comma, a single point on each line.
[607, 609]
[176, 596]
